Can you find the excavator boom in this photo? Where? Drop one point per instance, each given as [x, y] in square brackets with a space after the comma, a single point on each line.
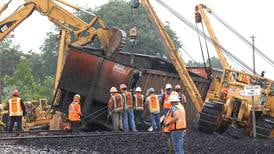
[111, 40]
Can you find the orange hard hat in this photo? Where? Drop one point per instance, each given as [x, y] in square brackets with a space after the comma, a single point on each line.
[123, 86]
[15, 92]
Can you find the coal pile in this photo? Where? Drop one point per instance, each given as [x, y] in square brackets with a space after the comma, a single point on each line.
[96, 143]
[232, 141]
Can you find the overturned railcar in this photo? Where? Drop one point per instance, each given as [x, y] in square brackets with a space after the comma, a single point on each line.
[91, 74]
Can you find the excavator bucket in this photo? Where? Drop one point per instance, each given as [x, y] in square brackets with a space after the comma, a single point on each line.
[112, 40]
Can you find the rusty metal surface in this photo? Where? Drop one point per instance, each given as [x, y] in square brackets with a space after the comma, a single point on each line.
[91, 74]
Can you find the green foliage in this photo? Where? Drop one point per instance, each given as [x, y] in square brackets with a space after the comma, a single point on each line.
[214, 62]
[9, 57]
[118, 14]
[23, 80]
[49, 54]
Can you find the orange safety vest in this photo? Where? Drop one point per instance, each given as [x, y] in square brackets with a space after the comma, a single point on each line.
[128, 100]
[15, 108]
[74, 111]
[167, 104]
[117, 102]
[180, 124]
[153, 103]
[138, 104]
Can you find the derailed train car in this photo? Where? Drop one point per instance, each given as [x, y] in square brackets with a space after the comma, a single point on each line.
[91, 74]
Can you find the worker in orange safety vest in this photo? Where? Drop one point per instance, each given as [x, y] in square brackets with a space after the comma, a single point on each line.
[75, 113]
[138, 98]
[17, 110]
[153, 104]
[115, 108]
[175, 124]
[128, 115]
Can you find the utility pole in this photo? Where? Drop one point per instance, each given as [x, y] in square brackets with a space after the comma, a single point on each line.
[254, 72]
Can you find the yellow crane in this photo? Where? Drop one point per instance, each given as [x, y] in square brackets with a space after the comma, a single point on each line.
[84, 33]
[229, 91]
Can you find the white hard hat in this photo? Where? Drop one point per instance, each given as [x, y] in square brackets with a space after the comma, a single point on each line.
[173, 98]
[168, 86]
[77, 95]
[151, 90]
[113, 90]
[138, 89]
[177, 86]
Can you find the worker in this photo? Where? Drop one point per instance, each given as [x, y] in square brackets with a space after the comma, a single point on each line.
[115, 108]
[176, 123]
[164, 98]
[128, 115]
[153, 103]
[182, 97]
[75, 113]
[139, 107]
[29, 110]
[17, 110]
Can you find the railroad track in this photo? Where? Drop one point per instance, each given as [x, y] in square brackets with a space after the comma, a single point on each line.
[16, 136]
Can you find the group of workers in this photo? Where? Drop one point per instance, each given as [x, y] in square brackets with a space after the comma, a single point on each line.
[126, 108]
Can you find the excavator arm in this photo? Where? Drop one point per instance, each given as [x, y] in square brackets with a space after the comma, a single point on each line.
[11, 22]
[175, 57]
[111, 39]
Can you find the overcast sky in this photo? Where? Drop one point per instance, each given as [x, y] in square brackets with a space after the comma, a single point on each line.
[248, 17]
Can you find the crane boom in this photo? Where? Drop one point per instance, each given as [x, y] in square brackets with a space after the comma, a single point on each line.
[176, 59]
[200, 13]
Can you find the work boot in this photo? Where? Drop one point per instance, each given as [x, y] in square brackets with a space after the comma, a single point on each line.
[134, 130]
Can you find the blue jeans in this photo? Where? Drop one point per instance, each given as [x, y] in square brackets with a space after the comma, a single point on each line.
[165, 111]
[12, 120]
[155, 120]
[128, 116]
[177, 138]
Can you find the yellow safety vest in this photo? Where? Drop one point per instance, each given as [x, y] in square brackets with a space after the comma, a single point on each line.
[15, 108]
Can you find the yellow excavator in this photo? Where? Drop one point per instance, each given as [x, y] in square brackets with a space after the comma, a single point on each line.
[111, 39]
[227, 99]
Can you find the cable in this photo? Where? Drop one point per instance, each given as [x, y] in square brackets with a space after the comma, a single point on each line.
[207, 37]
[259, 52]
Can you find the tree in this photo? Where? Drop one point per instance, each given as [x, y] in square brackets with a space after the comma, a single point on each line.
[48, 59]
[117, 13]
[9, 57]
[213, 60]
[23, 80]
